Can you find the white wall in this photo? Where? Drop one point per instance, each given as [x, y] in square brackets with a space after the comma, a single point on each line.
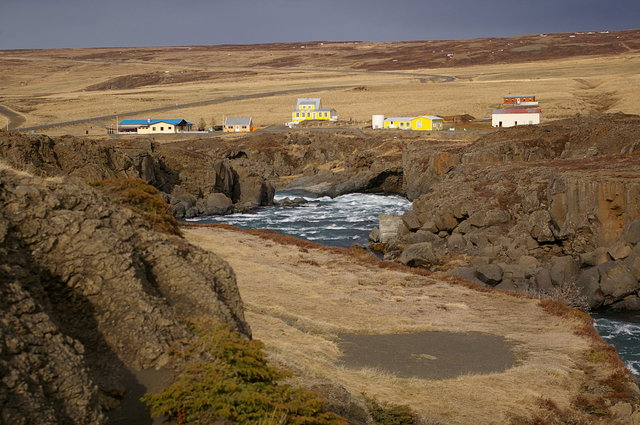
[511, 120]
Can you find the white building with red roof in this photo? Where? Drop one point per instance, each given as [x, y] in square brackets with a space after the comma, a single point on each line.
[515, 116]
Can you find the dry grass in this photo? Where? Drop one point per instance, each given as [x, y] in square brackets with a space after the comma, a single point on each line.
[299, 296]
[49, 86]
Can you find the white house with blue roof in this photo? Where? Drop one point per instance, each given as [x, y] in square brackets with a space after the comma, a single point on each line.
[155, 126]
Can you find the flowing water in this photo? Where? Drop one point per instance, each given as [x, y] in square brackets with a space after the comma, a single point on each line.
[348, 219]
[341, 221]
[622, 330]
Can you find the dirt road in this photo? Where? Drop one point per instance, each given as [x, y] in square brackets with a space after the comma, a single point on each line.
[15, 119]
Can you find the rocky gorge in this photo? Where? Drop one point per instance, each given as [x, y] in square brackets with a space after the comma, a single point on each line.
[531, 209]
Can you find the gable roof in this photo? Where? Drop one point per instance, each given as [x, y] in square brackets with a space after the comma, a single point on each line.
[308, 101]
[431, 117]
[178, 121]
[516, 111]
[238, 121]
[399, 118]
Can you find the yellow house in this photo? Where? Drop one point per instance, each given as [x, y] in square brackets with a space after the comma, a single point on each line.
[424, 122]
[309, 109]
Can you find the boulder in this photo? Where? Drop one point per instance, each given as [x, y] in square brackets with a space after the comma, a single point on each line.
[515, 272]
[488, 218]
[496, 217]
[422, 236]
[633, 263]
[255, 191]
[491, 274]
[456, 242]
[507, 285]
[595, 257]
[389, 226]
[418, 255]
[446, 222]
[619, 250]
[218, 204]
[466, 273]
[410, 219]
[563, 269]
[430, 226]
[632, 232]
[540, 226]
[616, 280]
[542, 280]
[478, 238]
[374, 235]
[588, 281]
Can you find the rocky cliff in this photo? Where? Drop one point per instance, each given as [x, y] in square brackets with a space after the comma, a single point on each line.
[324, 162]
[194, 183]
[89, 293]
[529, 208]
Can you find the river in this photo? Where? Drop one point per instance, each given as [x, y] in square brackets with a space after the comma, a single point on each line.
[348, 219]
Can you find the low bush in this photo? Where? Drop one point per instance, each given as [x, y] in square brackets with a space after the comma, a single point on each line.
[225, 378]
[391, 414]
[143, 198]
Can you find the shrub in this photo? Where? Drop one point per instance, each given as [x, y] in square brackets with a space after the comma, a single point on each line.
[226, 377]
[143, 198]
[391, 414]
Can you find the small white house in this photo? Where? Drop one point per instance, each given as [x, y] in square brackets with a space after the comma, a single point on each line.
[514, 116]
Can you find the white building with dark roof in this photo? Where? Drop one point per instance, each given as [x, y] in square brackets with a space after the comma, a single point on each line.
[240, 124]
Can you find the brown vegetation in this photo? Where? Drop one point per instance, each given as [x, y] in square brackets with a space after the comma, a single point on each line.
[300, 295]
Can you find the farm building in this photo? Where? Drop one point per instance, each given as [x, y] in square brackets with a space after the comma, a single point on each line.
[424, 122]
[310, 109]
[154, 126]
[514, 116]
[521, 100]
[241, 124]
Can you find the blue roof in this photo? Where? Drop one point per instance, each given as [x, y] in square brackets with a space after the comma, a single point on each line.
[155, 121]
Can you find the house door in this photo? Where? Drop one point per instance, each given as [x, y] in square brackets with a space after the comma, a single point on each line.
[499, 123]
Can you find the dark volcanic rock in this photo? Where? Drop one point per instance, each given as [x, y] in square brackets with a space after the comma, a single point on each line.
[88, 292]
[187, 177]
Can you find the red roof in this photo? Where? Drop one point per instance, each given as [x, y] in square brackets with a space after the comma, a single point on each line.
[517, 111]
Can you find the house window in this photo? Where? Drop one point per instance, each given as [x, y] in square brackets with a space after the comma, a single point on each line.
[169, 128]
[244, 126]
[419, 124]
[154, 129]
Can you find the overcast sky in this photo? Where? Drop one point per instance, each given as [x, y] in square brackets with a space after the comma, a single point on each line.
[114, 23]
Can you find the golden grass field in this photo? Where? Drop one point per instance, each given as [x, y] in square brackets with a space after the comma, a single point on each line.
[299, 298]
[48, 86]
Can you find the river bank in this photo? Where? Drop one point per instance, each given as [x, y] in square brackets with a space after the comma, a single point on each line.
[301, 296]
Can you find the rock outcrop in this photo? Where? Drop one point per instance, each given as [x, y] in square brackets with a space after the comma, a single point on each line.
[89, 293]
[532, 208]
[186, 178]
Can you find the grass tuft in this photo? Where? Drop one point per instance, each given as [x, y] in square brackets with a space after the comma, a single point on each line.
[143, 198]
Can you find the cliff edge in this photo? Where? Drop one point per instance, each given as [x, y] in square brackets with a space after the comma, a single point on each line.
[89, 294]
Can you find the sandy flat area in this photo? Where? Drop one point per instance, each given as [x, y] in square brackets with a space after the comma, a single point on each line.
[300, 299]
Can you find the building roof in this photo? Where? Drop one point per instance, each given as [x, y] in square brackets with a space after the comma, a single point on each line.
[517, 111]
[178, 121]
[308, 101]
[399, 118]
[325, 110]
[431, 117]
[238, 121]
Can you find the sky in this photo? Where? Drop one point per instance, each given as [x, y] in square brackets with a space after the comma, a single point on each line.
[43, 24]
